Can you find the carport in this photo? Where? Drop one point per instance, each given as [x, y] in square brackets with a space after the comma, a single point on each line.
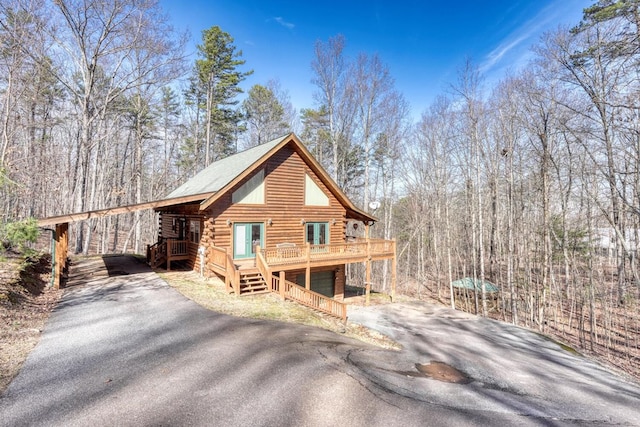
[60, 230]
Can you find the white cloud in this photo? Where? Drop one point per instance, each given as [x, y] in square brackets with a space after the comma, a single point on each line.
[280, 20]
[515, 48]
[504, 48]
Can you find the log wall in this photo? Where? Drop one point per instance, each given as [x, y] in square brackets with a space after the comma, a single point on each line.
[283, 214]
[284, 206]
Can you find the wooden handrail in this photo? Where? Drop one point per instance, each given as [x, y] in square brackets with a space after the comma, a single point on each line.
[263, 267]
[233, 275]
[156, 253]
[218, 257]
[310, 298]
[361, 248]
[229, 270]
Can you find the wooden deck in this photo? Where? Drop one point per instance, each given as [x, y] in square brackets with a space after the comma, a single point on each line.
[293, 257]
[241, 276]
[301, 257]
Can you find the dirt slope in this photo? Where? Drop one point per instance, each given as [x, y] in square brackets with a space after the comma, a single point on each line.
[25, 303]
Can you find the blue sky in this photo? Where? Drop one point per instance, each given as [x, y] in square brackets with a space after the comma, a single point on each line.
[424, 43]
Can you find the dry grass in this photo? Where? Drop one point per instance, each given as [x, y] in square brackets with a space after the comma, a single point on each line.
[25, 305]
[211, 294]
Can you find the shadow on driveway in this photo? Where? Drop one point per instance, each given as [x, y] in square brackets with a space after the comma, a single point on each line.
[127, 349]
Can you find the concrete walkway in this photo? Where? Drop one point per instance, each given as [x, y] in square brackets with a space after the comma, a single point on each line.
[123, 348]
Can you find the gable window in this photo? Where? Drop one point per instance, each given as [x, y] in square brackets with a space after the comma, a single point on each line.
[317, 233]
[313, 194]
[251, 192]
[194, 231]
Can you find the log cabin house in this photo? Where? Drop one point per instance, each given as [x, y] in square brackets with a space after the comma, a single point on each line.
[269, 219]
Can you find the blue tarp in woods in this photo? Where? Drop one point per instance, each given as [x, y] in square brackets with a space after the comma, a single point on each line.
[469, 282]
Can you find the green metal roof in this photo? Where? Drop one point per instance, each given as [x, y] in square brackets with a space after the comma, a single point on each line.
[470, 283]
[220, 173]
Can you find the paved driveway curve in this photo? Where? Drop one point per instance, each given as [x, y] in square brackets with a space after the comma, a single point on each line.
[126, 349]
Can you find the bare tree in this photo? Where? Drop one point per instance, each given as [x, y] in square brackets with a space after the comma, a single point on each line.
[588, 67]
[334, 95]
[469, 90]
[373, 88]
[103, 45]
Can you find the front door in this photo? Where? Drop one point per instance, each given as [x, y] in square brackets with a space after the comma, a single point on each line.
[318, 233]
[182, 226]
[246, 236]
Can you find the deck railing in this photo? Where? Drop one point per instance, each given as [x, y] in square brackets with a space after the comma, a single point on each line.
[232, 280]
[289, 256]
[262, 266]
[177, 247]
[309, 298]
[360, 249]
[176, 250]
[167, 250]
[156, 254]
[221, 262]
[218, 257]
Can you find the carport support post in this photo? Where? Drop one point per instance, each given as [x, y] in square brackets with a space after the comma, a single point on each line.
[393, 272]
[62, 246]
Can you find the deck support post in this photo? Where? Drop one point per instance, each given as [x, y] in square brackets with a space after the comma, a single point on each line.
[367, 283]
[283, 278]
[307, 273]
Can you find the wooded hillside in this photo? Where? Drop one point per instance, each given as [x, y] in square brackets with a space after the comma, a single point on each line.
[531, 183]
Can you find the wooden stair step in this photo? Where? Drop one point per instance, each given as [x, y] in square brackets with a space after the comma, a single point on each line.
[253, 286]
[253, 283]
[250, 275]
[253, 290]
[257, 292]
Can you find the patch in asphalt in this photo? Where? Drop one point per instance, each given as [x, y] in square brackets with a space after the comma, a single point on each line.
[442, 372]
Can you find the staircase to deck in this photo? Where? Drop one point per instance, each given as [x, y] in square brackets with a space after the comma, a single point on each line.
[255, 277]
[252, 282]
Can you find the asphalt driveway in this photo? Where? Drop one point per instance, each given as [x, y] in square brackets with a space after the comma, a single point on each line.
[124, 348]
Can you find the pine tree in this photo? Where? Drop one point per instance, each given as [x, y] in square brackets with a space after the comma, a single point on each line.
[218, 73]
